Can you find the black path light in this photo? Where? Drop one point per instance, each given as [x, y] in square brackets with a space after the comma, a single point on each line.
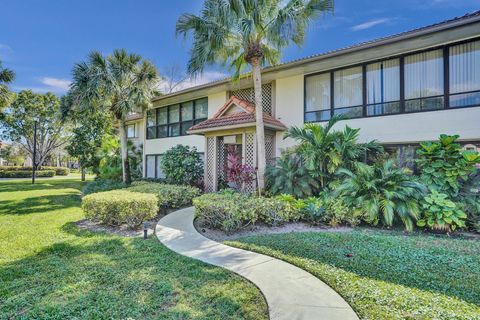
[145, 230]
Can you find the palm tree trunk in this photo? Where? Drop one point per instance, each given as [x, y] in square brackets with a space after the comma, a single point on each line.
[261, 158]
[126, 175]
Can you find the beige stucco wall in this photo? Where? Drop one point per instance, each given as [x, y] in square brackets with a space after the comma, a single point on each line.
[140, 132]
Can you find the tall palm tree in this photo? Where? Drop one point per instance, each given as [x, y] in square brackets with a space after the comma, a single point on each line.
[120, 83]
[248, 33]
[6, 76]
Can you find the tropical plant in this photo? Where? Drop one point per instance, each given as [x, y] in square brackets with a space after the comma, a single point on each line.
[6, 96]
[337, 211]
[444, 166]
[290, 176]
[30, 110]
[324, 150]
[248, 33]
[239, 175]
[469, 201]
[381, 192]
[182, 165]
[120, 84]
[440, 213]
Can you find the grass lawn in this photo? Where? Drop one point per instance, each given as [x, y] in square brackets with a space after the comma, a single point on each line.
[49, 269]
[390, 275]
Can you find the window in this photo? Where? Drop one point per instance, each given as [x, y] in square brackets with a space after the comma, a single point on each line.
[153, 169]
[317, 100]
[383, 87]
[464, 73]
[175, 120]
[131, 131]
[424, 81]
[348, 91]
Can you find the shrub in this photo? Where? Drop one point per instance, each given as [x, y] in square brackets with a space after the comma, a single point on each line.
[440, 213]
[25, 173]
[444, 166]
[231, 211]
[120, 207]
[469, 201]
[337, 212]
[60, 171]
[168, 195]
[382, 192]
[290, 176]
[182, 165]
[101, 185]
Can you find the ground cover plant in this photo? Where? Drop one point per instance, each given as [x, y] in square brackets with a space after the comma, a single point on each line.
[49, 269]
[386, 275]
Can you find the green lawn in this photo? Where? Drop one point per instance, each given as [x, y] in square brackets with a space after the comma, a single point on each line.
[49, 269]
[390, 275]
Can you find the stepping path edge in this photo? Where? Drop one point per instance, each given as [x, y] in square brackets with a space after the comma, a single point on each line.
[291, 293]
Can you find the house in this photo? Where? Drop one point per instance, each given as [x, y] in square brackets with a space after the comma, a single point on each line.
[399, 90]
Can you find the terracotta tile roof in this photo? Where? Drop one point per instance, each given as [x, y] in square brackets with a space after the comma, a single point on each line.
[240, 118]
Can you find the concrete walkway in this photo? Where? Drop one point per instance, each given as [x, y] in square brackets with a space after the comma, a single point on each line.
[291, 292]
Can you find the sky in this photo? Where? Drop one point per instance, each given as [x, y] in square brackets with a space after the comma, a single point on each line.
[41, 40]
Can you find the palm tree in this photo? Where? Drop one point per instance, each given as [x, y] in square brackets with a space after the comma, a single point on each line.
[324, 150]
[6, 76]
[121, 83]
[248, 33]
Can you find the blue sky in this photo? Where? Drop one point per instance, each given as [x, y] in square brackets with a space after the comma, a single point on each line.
[41, 40]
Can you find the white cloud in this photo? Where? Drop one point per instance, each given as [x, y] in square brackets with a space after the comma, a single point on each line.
[206, 77]
[56, 84]
[5, 51]
[369, 24]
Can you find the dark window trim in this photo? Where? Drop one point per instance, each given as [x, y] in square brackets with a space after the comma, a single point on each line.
[170, 124]
[446, 94]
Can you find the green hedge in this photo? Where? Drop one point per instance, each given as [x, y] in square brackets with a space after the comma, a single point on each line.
[59, 171]
[26, 174]
[230, 211]
[101, 185]
[120, 207]
[168, 195]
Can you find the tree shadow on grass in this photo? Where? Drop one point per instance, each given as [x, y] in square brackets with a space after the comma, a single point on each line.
[23, 185]
[445, 266]
[107, 277]
[40, 204]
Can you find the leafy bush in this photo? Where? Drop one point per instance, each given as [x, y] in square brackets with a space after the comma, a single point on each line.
[440, 213]
[469, 201]
[182, 165]
[381, 192]
[238, 175]
[444, 166]
[233, 211]
[337, 212]
[101, 185]
[59, 171]
[25, 173]
[168, 195]
[290, 176]
[120, 207]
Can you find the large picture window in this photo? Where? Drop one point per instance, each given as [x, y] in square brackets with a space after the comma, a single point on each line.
[429, 80]
[175, 120]
[153, 169]
[383, 87]
[464, 72]
[424, 81]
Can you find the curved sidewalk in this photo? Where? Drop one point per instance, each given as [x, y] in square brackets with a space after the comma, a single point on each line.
[291, 292]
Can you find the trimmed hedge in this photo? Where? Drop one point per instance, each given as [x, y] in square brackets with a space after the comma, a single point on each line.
[59, 171]
[101, 185]
[120, 207]
[230, 211]
[168, 195]
[26, 174]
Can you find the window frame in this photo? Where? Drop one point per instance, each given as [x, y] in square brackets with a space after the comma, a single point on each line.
[446, 84]
[157, 126]
[135, 134]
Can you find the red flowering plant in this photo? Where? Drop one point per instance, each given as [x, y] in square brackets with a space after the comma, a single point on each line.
[238, 174]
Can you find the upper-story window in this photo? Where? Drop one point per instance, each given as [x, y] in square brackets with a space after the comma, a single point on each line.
[383, 87]
[439, 78]
[424, 81]
[175, 120]
[464, 74]
[131, 131]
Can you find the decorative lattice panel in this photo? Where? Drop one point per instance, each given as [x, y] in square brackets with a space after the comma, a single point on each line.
[220, 160]
[210, 155]
[250, 157]
[248, 94]
[270, 149]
